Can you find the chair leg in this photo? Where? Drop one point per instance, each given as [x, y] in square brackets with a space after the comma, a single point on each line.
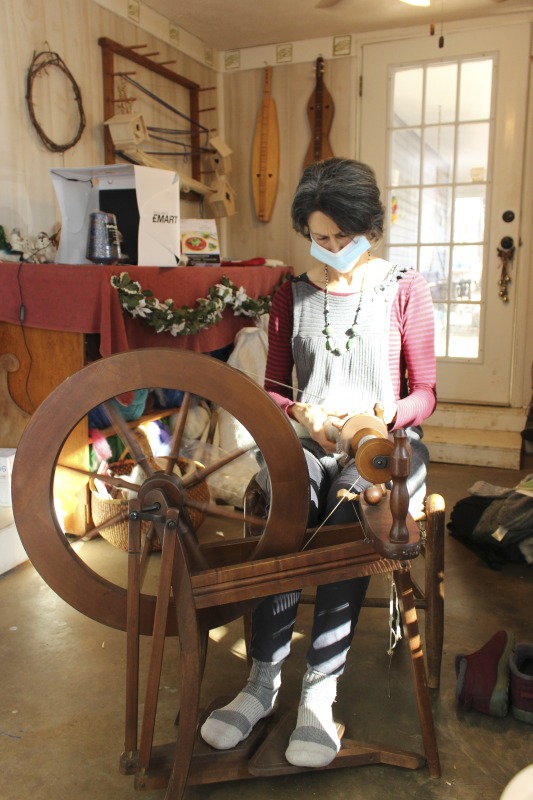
[404, 586]
[434, 587]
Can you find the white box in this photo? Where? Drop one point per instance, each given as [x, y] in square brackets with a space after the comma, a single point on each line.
[12, 552]
[145, 201]
[7, 457]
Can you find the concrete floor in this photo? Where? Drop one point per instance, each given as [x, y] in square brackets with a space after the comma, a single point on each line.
[62, 688]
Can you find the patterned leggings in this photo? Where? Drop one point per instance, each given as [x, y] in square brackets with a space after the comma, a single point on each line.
[337, 605]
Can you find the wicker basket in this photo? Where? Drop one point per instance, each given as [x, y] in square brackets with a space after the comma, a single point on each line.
[104, 508]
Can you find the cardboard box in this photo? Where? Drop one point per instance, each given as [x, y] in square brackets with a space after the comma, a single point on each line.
[7, 457]
[199, 242]
[145, 201]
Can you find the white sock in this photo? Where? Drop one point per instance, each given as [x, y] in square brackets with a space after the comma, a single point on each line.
[315, 742]
[228, 726]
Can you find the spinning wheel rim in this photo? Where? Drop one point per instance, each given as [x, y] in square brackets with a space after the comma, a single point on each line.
[45, 543]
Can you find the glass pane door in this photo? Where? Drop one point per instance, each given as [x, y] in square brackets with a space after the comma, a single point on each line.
[444, 130]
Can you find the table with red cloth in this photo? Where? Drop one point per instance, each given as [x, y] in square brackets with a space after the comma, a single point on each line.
[50, 312]
[80, 298]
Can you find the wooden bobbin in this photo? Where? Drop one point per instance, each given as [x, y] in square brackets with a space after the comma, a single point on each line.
[365, 438]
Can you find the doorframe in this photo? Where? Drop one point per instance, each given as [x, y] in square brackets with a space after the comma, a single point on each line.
[520, 389]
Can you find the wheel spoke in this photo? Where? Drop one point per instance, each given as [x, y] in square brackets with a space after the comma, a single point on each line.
[118, 517]
[177, 435]
[111, 480]
[128, 437]
[202, 473]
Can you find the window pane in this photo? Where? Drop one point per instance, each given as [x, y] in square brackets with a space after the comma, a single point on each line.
[441, 94]
[438, 154]
[467, 266]
[404, 256]
[436, 214]
[469, 213]
[475, 90]
[472, 152]
[441, 323]
[405, 157]
[464, 330]
[404, 219]
[407, 97]
[434, 267]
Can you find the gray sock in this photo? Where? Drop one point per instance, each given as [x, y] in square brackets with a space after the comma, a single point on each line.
[228, 726]
[314, 742]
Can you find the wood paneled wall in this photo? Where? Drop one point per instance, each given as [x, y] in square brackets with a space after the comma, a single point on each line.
[292, 85]
[72, 29]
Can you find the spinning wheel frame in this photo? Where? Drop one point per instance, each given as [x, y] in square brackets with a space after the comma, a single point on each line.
[39, 449]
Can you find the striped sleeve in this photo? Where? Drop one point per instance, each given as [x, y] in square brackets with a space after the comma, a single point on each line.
[280, 362]
[412, 351]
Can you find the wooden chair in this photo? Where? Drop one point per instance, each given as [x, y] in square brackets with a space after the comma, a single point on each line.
[429, 597]
[202, 586]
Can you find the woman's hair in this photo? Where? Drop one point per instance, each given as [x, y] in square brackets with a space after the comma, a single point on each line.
[344, 190]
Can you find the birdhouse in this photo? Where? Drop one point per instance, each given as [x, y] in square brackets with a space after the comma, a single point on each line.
[222, 201]
[127, 130]
[220, 157]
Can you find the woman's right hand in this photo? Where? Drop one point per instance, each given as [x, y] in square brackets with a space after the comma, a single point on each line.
[316, 422]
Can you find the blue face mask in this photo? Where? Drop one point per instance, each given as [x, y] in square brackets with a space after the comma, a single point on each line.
[343, 260]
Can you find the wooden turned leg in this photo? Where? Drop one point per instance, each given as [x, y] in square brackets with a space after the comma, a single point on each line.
[434, 587]
[405, 593]
[158, 645]
[192, 655]
[132, 640]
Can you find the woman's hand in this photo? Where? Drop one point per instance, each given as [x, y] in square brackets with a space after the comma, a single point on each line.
[318, 423]
[386, 412]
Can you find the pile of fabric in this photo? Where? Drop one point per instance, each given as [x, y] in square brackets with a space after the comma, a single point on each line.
[496, 521]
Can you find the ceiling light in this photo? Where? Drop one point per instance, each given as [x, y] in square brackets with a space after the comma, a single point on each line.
[417, 2]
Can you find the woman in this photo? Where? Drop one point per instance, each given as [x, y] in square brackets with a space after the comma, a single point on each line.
[358, 331]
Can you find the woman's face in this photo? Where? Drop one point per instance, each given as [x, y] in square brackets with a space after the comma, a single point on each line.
[325, 232]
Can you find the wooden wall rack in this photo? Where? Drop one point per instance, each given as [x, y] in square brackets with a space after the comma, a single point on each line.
[110, 49]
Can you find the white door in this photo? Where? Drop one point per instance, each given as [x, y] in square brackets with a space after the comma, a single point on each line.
[444, 131]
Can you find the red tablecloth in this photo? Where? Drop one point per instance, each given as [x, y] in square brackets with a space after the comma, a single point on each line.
[80, 298]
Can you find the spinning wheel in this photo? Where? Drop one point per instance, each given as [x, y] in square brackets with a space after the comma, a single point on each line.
[201, 586]
[39, 459]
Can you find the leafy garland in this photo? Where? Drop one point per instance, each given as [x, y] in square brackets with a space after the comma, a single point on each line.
[164, 317]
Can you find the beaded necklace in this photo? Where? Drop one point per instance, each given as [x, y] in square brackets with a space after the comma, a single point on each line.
[329, 331]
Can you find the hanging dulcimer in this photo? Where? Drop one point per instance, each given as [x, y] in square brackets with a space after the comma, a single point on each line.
[320, 110]
[265, 156]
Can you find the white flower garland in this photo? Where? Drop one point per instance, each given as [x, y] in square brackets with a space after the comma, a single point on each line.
[41, 249]
[164, 317]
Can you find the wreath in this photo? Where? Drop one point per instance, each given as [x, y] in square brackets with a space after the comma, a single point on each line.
[164, 317]
[40, 63]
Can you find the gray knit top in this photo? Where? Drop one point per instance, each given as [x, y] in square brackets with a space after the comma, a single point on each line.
[359, 377]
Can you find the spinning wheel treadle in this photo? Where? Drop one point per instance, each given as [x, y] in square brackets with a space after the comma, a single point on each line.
[200, 586]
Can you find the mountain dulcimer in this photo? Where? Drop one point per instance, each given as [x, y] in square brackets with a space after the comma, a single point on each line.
[265, 157]
[320, 110]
